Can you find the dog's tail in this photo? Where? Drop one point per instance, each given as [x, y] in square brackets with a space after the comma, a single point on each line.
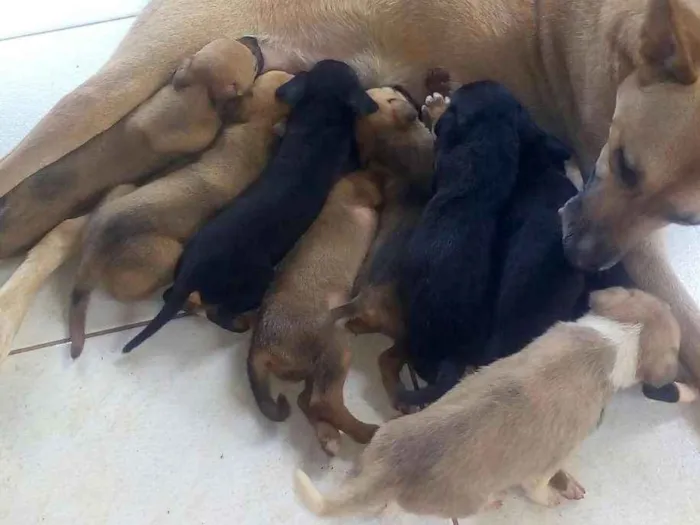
[176, 299]
[80, 297]
[360, 495]
[259, 377]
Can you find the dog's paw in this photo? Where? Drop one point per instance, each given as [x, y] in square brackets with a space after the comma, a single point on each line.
[566, 485]
[328, 437]
[435, 105]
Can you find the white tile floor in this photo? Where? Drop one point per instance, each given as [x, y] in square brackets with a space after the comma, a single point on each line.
[170, 434]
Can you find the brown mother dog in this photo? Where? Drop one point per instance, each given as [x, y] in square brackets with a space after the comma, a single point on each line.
[578, 65]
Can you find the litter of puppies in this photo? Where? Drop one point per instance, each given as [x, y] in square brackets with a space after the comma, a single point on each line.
[319, 208]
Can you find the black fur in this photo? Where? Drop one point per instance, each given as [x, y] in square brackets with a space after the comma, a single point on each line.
[446, 277]
[537, 285]
[231, 260]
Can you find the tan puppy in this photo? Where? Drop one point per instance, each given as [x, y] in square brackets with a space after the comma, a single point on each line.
[132, 244]
[513, 423]
[181, 118]
[294, 339]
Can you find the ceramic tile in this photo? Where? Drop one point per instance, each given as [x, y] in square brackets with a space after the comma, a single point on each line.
[166, 435]
[35, 16]
[683, 244]
[36, 72]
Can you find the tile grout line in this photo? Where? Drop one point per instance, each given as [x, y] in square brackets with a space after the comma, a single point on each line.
[91, 335]
[66, 28]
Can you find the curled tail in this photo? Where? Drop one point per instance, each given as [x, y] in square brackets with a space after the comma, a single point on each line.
[174, 303]
[359, 495]
[259, 377]
[80, 297]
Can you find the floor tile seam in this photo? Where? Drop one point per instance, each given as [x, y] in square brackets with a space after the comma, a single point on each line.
[69, 27]
[89, 335]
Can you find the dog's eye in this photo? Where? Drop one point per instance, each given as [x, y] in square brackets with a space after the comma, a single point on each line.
[627, 173]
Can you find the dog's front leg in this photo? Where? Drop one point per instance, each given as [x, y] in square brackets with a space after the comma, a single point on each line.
[648, 265]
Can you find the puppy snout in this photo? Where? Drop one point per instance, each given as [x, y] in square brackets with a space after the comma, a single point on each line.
[584, 246]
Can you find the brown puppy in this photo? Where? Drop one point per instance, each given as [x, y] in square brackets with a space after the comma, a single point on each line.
[132, 244]
[515, 422]
[293, 338]
[182, 118]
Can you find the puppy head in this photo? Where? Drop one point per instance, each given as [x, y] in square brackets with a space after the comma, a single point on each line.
[394, 138]
[261, 101]
[329, 80]
[659, 339]
[226, 68]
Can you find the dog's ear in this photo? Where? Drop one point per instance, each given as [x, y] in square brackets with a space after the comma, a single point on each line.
[670, 41]
[293, 91]
[183, 76]
[361, 103]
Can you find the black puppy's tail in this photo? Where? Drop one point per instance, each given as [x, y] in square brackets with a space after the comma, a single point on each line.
[259, 377]
[422, 396]
[176, 299]
[447, 377]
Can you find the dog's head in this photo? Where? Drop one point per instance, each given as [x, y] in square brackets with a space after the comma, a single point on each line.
[394, 138]
[227, 68]
[659, 339]
[328, 80]
[648, 173]
[261, 101]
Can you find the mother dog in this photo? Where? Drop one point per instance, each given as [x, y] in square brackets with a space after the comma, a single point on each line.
[616, 79]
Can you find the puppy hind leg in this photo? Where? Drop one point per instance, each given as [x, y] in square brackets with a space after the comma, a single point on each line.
[143, 264]
[328, 436]
[391, 362]
[327, 400]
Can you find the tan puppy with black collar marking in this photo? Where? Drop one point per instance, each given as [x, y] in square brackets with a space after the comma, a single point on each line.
[515, 422]
[182, 118]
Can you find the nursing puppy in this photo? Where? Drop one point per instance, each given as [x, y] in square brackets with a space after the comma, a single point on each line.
[182, 118]
[515, 422]
[537, 286]
[232, 259]
[446, 275]
[293, 338]
[133, 244]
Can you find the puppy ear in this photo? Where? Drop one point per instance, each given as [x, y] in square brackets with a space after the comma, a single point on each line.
[293, 91]
[361, 103]
[183, 76]
[404, 113]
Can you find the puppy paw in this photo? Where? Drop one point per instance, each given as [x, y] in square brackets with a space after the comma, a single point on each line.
[566, 485]
[435, 105]
[543, 494]
[328, 437]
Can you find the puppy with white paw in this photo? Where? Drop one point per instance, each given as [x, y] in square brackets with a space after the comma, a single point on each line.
[515, 422]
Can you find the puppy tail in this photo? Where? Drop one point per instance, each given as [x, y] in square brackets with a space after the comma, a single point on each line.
[259, 377]
[358, 496]
[176, 300]
[80, 297]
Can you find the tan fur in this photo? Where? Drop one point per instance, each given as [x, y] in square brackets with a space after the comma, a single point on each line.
[294, 338]
[510, 424]
[563, 58]
[181, 118]
[18, 292]
[132, 244]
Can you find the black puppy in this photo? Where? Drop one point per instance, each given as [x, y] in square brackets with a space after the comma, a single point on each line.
[231, 260]
[537, 285]
[446, 279]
